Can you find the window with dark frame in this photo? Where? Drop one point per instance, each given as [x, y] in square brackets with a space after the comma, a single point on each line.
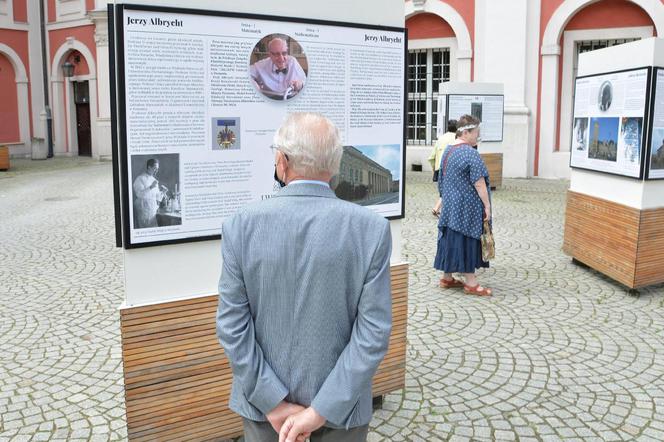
[427, 68]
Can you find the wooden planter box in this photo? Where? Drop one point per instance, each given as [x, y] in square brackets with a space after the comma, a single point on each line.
[494, 164]
[178, 380]
[624, 243]
[4, 158]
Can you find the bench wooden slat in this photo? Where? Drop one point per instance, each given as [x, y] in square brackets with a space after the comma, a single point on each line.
[178, 380]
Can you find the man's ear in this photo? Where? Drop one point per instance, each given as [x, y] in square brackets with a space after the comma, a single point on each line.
[283, 157]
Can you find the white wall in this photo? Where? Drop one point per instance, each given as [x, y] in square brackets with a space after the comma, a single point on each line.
[642, 195]
[101, 146]
[532, 78]
[159, 274]
[36, 74]
[501, 34]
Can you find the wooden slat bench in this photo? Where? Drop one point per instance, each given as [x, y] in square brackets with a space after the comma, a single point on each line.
[494, 164]
[178, 380]
[624, 243]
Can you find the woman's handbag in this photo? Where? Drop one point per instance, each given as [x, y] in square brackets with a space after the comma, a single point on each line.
[435, 176]
[488, 243]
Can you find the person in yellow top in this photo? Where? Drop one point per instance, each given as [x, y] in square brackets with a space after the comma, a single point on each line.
[437, 153]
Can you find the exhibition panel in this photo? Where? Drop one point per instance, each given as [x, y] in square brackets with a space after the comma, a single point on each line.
[199, 103]
[611, 121]
[489, 109]
[655, 157]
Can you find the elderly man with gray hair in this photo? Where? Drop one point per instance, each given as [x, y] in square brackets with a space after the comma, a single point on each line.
[278, 76]
[304, 310]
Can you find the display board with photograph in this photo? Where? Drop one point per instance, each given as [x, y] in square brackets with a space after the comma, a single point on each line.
[655, 157]
[610, 122]
[489, 109]
[201, 94]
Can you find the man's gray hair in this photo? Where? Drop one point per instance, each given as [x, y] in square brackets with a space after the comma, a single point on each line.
[312, 143]
[283, 40]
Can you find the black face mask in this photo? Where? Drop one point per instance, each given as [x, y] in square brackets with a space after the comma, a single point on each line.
[276, 178]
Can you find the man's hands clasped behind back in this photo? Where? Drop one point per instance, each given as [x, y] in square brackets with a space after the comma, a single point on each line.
[293, 422]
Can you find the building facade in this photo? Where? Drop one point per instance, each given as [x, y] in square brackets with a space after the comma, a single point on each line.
[530, 46]
[360, 171]
[78, 102]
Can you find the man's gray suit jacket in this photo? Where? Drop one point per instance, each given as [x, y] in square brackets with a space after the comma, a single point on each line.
[305, 306]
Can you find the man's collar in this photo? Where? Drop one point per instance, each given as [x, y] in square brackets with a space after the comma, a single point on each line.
[306, 189]
[320, 183]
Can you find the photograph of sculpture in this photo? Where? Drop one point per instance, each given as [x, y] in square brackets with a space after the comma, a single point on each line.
[580, 134]
[605, 96]
[630, 138]
[476, 110]
[603, 139]
[225, 134]
[369, 175]
[155, 190]
[278, 67]
[657, 149]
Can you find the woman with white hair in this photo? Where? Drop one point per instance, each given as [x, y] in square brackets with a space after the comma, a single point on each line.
[463, 185]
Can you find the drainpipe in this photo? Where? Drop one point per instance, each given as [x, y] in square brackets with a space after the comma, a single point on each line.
[47, 108]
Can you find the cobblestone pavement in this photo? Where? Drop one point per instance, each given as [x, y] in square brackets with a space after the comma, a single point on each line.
[558, 353]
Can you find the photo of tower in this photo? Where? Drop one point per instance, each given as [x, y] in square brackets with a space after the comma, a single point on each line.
[603, 139]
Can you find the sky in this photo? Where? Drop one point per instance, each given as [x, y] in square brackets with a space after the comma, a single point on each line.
[608, 128]
[387, 155]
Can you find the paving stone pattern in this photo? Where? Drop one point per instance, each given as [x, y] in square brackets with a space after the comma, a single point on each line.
[560, 352]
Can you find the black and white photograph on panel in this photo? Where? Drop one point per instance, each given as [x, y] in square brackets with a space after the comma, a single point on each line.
[476, 110]
[605, 96]
[580, 134]
[155, 190]
[370, 175]
[278, 67]
[603, 138]
[631, 129]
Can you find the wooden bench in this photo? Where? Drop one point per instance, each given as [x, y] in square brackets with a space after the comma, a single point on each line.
[178, 380]
[624, 243]
[4, 158]
[494, 164]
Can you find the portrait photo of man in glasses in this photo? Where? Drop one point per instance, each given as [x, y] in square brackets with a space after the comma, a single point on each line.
[279, 75]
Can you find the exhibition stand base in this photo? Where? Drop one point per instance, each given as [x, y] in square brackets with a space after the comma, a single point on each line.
[494, 164]
[624, 243]
[4, 158]
[178, 380]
